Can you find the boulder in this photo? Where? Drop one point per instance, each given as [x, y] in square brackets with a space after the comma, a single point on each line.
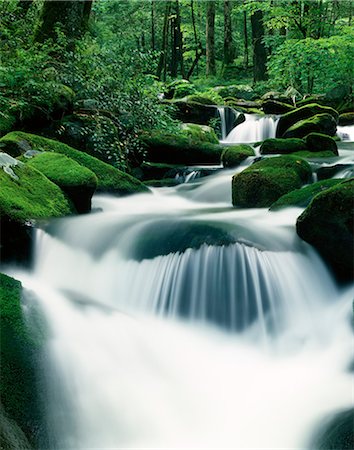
[320, 123]
[201, 133]
[179, 89]
[194, 112]
[346, 119]
[275, 107]
[327, 224]
[233, 156]
[241, 91]
[110, 179]
[302, 197]
[305, 112]
[317, 142]
[179, 149]
[76, 181]
[261, 184]
[280, 146]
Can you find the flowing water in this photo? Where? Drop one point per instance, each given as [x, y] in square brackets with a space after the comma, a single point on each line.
[254, 129]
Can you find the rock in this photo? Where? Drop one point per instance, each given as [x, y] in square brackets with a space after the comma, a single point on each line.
[327, 224]
[323, 173]
[76, 181]
[180, 149]
[7, 122]
[335, 432]
[261, 184]
[165, 182]
[282, 146]
[346, 119]
[194, 112]
[201, 133]
[201, 100]
[305, 112]
[241, 91]
[233, 156]
[179, 89]
[302, 197]
[320, 123]
[317, 142]
[110, 179]
[275, 107]
[21, 407]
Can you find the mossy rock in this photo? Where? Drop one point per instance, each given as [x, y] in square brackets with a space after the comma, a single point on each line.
[305, 112]
[109, 178]
[336, 432]
[199, 99]
[346, 119]
[165, 182]
[266, 181]
[274, 146]
[317, 142]
[327, 224]
[276, 107]
[179, 149]
[78, 182]
[194, 112]
[314, 155]
[157, 171]
[233, 156]
[18, 375]
[302, 197]
[320, 123]
[201, 133]
[241, 91]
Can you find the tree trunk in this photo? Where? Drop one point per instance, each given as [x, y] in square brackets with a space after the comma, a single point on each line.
[210, 39]
[259, 50]
[86, 13]
[196, 43]
[161, 70]
[245, 37]
[153, 25]
[68, 16]
[229, 50]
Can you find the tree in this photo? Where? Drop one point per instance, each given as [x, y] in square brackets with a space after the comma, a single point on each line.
[259, 49]
[161, 70]
[210, 39]
[229, 50]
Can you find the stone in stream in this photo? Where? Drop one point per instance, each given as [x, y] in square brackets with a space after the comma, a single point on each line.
[320, 123]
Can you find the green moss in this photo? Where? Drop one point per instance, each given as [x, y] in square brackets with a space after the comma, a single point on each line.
[320, 123]
[317, 142]
[314, 155]
[7, 122]
[305, 112]
[201, 133]
[346, 119]
[180, 149]
[266, 181]
[165, 182]
[109, 178]
[327, 224]
[199, 99]
[30, 196]
[302, 197]
[18, 375]
[233, 156]
[276, 107]
[282, 146]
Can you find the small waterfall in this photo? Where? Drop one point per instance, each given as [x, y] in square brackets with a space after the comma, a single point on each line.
[346, 133]
[228, 117]
[254, 129]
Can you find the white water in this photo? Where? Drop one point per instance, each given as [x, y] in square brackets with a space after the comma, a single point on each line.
[254, 129]
[346, 133]
[145, 353]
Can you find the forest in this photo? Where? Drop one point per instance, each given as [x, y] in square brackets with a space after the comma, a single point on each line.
[176, 224]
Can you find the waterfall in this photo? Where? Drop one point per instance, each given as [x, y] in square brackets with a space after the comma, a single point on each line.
[195, 348]
[346, 133]
[228, 117]
[254, 129]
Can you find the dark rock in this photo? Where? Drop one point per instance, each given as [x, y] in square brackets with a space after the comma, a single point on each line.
[233, 156]
[327, 224]
[317, 142]
[275, 107]
[320, 123]
[346, 119]
[282, 146]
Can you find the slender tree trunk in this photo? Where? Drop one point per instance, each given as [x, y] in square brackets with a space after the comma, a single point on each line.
[229, 50]
[210, 39]
[196, 42]
[153, 44]
[179, 39]
[87, 13]
[161, 70]
[350, 13]
[245, 37]
[259, 50]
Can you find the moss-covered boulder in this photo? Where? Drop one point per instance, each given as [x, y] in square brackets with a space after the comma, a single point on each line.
[78, 182]
[335, 432]
[327, 224]
[278, 146]
[275, 107]
[201, 133]
[189, 111]
[305, 112]
[179, 89]
[21, 413]
[233, 156]
[241, 91]
[346, 119]
[302, 197]
[179, 149]
[109, 178]
[320, 123]
[266, 181]
[317, 142]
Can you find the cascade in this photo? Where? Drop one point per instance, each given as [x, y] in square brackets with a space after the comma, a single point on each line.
[194, 348]
[346, 133]
[254, 129]
[228, 117]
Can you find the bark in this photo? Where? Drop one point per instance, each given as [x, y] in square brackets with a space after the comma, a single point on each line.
[259, 50]
[161, 70]
[229, 50]
[245, 37]
[210, 39]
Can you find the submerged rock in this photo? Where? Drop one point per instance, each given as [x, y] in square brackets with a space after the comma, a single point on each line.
[233, 156]
[327, 224]
[265, 181]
